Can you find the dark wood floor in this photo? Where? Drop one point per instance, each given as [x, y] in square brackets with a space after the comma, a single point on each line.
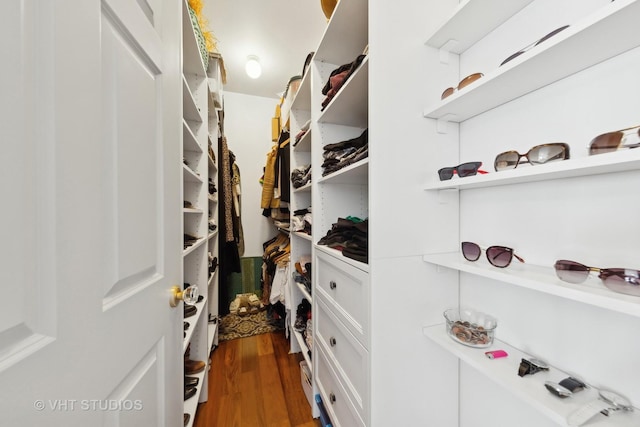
[255, 382]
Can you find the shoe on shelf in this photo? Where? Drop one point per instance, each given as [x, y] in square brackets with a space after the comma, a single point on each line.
[189, 310]
[193, 366]
[191, 381]
[189, 392]
[187, 417]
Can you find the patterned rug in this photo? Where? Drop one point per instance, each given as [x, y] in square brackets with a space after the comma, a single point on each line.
[233, 326]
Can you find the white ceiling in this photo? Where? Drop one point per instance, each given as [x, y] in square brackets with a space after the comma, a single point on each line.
[280, 32]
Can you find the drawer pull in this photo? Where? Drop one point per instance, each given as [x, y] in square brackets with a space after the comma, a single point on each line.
[333, 284]
[332, 398]
[332, 341]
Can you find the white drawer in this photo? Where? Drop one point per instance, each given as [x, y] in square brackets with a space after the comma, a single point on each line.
[346, 288]
[341, 409]
[347, 355]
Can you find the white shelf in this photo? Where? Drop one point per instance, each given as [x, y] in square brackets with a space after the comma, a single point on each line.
[304, 145]
[191, 59]
[189, 141]
[215, 98]
[193, 247]
[303, 348]
[190, 176]
[530, 388]
[192, 211]
[619, 161]
[337, 254]
[471, 21]
[304, 189]
[302, 101]
[190, 108]
[193, 321]
[542, 279]
[357, 173]
[213, 199]
[608, 32]
[211, 276]
[349, 107]
[347, 33]
[212, 165]
[304, 291]
[302, 235]
[213, 234]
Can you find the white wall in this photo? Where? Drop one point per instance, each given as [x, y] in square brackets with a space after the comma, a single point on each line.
[247, 125]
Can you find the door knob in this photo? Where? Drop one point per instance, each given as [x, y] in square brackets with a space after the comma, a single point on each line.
[189, 295]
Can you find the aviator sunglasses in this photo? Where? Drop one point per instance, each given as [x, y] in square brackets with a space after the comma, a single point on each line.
[498, 256]
[463, 83]
[538, 155]
[534, 44]
[464, 169]
[613, 141]
[622, 280]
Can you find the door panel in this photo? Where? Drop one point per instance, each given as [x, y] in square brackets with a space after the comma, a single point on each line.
[91, 242]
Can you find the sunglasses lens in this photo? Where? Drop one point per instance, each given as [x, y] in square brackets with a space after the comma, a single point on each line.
[470, 251]
[447, 92]
[468, 169]
[551, 34]
[469, 79]
[499, 256]
[622, 280]
[571, 271]
[445, 174]
[508, 160]
[605, 143]
[548, 153]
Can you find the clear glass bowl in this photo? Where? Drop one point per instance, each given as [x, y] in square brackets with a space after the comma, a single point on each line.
[470, 327]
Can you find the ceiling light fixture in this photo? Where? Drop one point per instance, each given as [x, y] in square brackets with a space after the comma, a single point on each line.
[253, 67]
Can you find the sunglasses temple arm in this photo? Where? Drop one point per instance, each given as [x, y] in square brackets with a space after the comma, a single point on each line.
[481, 171]
[518, 258]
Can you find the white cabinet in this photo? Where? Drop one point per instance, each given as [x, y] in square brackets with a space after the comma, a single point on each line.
[200, 101]
[569, 88]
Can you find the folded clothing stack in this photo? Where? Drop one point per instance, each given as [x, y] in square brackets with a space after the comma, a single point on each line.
[303, 132]
[338, 78]
[341, 154]
[301, 176]
[349, 235]
[302, 220]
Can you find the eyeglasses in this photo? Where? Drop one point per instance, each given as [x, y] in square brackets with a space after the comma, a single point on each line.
[612, 141]
[622, 280]
[465, 169]
[534, 44]
[464, 82]
[538, 155]
[498, 256]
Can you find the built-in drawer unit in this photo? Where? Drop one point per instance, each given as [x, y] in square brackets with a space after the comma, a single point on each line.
[349, 357]
[346, 289]
[341, 409]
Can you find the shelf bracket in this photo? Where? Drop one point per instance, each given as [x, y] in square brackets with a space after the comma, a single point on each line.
[442, 124]
[447, 195]
[445, 51]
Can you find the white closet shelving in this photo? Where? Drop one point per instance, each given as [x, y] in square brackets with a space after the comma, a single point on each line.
[199, 169]
[545, 212]
[340, 291]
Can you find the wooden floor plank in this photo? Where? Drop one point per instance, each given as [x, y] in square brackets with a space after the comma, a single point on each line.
[255, 382]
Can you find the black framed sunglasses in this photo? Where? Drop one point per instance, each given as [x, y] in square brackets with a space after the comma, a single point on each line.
[622, 280]
[498, 256]
[538, 155]
[534, 44]
[462, 170]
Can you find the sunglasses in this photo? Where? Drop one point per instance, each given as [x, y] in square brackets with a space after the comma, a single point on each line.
[498, 256]
[534, 44]
[465, 169]
[622, 280]
[612, 141]
[463, 83]
[538, 155]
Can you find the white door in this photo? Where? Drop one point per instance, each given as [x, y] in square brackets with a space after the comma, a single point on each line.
[90, 242]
